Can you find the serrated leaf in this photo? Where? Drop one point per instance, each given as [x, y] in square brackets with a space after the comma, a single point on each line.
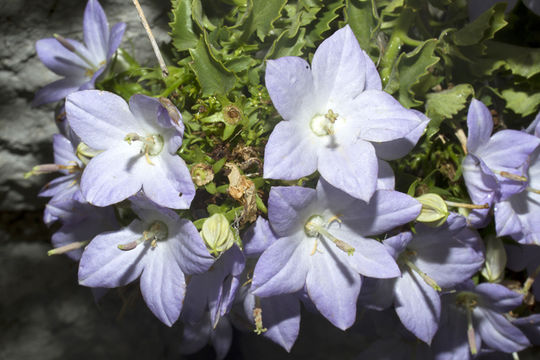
[519, 60]
[182, 34]
[323, 24]
[445, 104]
[262, 16]
[213, 77]
[410, 69]
[284, 46]
[521, 102]
[362, 17]
[483, 28]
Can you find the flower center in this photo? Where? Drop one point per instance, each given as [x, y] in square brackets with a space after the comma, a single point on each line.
[316, 226]
[152, 144]
[157, 231]
[323, 125]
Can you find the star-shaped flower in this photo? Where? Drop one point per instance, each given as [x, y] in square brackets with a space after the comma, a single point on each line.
[138, 145]
[79, 64]
[430, 260]
[519, 215]
[474, 315]
[323, 245]
[495, 166]
[161, 248]
[334, 114]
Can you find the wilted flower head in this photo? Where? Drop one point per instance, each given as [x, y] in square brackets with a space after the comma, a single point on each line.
[333, 112]
[79, 64]
[137, 144]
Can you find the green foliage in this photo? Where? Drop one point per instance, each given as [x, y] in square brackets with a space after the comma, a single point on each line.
[411, 71]
[445, 105]
[213, 77]
[263, 14]
[430, 57]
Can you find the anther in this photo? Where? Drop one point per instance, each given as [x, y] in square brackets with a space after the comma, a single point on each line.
[511, 176]
[428, 280]
[67, 248]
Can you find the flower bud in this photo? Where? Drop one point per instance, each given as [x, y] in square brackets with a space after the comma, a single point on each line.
[201, 174]
[495, 263]
[434, 210]
[217, 234]
[232, 114]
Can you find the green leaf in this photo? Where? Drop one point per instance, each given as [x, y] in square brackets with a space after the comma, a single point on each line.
[183, 37]
[519, 60]
[483, 28]
[323, 23]
[285, 46]
[263, 15]
[445, 104]
[411, 70]
[213, 77]
[362, 17]
[521, 102]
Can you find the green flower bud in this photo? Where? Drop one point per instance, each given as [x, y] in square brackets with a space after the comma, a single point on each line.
[202, 174]
[434, 210]
[232, 114]
[217, 234]
[495, 263]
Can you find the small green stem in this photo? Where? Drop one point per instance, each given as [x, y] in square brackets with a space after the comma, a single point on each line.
[397, 40]
[530, 281]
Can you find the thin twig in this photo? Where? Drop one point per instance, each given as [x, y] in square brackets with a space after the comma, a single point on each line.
[164, 70]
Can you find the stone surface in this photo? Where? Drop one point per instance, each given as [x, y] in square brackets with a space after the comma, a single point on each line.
[25, 132]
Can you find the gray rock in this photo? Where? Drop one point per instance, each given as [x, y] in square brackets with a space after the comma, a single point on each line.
[25, 132]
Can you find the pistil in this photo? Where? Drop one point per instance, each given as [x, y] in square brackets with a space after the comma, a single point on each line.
[158, 231]
[152, 144]
[50, 168]
[71, 48]
[427, 279]
[315, 226]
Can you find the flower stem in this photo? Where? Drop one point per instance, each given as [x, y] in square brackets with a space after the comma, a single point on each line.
[530, 281]
[164, 70]
[397, 40]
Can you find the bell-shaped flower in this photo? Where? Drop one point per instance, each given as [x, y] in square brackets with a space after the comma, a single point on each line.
[495, 166]
[472, 319]
[196, 336]
[323, 245]
[159, 247]
[137, 144]
[526, 257]
[214, 291]
[64, 191]
[334, 114]
[430, 260]
[276, 317]
[79, 64]
[83, 223]
[519, 215]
